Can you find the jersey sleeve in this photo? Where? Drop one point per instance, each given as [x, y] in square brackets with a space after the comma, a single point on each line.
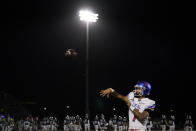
[130, 96]
[150, 105]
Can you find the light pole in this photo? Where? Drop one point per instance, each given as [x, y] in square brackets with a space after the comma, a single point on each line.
[67, 110]
[88, 17]
[45, 112]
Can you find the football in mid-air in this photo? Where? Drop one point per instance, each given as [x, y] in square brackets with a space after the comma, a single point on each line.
[70, 52]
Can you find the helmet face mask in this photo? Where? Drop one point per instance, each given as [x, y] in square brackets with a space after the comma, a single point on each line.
[138, 91]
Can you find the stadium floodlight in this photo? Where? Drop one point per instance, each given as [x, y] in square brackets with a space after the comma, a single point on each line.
[88, 16]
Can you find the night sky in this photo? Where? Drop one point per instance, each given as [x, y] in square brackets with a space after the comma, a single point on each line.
[132, 40]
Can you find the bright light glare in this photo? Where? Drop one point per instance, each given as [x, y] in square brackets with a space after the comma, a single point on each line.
[88, 16]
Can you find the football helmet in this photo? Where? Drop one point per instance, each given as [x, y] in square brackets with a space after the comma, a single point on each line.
[86, 116]
[190, 118]
[163, 117]
[96, 117]
[145, 86]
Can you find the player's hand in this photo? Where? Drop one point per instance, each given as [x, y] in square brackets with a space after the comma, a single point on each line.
[105, 92]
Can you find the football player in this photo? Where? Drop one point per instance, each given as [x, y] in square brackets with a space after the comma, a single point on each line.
[102, 123]
[188, 125]
[96, 123]
[163, 122]
[125, 124]
[114, 122]
[149, 123]
[120, 123]
[171, 123]
[86, 123]
[66, 123]
[139, 105]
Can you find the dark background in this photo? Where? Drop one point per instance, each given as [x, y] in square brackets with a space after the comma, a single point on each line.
[132, 40]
